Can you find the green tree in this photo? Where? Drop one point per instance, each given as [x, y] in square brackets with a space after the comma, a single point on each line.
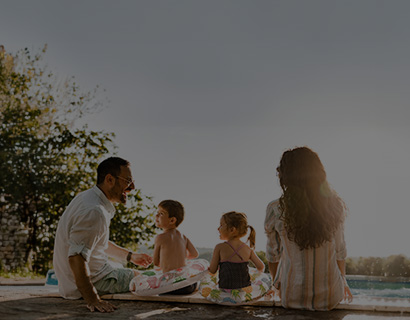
[45, 160]
[397, 266]
[131, 228]
[374, 266]
[351, 266]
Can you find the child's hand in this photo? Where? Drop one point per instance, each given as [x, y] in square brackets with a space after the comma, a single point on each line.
[141, 259]
[271, 293]
[211, 272]
[274, 291]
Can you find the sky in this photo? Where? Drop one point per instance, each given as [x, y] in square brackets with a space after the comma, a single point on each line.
[205, 96]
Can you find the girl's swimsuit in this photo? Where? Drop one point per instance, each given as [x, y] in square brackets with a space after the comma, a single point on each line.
[233, 274]
[237, 285]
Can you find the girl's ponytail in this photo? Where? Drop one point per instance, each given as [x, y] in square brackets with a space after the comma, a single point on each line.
[251, 237]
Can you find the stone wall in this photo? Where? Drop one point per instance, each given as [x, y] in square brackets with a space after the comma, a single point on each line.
[13, 240]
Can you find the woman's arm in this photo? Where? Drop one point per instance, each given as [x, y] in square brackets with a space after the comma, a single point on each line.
[215, 260]
[347, 293]
[273, 267]
[257, 261]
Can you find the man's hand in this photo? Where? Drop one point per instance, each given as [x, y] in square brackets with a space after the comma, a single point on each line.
[102, 306]
[89, 293]
[141, 259]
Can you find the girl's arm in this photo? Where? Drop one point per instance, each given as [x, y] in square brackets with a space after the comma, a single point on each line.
[192, 253]
[257, 261]
[215, 260]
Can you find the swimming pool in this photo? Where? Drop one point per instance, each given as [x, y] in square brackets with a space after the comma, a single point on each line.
[379, 287]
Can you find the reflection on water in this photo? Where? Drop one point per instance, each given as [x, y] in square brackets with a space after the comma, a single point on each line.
[372, 288]
[374, 301]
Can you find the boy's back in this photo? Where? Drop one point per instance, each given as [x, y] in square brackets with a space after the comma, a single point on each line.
[171, 247]
[171, 250]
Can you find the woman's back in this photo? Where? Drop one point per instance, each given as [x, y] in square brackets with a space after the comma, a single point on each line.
[308, 278]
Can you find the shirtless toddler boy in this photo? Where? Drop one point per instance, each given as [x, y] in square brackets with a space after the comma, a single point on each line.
[171, 247]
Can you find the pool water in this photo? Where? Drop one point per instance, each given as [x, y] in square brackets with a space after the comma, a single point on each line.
[372, 288]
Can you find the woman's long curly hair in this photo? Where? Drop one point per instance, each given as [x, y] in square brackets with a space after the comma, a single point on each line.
[310, 209]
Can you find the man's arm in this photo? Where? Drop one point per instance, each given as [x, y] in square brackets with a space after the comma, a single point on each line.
[120, 253]
[85, 286]
[116, 252]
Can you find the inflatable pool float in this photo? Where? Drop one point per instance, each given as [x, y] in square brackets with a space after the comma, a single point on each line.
[153, 282]
[260, 285]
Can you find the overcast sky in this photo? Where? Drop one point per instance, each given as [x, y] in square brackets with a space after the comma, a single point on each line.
[206, 95]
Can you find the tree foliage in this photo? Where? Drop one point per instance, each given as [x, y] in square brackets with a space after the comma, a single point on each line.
[45, 160]
[130, 228]
[392, 266]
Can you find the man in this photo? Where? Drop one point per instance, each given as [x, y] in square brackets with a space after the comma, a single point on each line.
[82, 243]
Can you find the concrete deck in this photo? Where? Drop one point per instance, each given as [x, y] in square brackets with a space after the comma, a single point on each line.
[23, 300]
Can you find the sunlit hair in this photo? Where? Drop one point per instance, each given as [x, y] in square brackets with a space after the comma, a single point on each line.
[311, 210]
[174, 209]
[111, 166]
[239, 221]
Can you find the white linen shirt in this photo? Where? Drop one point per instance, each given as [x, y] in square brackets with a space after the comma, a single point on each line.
[83, 229]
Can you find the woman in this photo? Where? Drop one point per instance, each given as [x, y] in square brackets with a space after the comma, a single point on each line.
[306, 248]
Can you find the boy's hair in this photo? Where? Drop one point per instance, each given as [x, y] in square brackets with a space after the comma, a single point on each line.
[174, 209]
[111, 166]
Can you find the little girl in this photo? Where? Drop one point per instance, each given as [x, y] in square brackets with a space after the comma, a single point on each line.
[232, 256]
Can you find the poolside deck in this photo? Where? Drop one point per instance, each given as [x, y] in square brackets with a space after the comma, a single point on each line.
[36, 301]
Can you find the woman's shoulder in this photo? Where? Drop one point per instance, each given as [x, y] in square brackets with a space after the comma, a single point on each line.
[272, 208]
[272, 213]
[273, 203]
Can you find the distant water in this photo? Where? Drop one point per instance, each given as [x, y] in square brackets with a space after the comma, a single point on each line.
[377, 288]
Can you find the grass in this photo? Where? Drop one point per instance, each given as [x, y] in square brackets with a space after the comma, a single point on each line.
[20, 274]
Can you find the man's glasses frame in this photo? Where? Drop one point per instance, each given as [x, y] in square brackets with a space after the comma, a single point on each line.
[130, 182]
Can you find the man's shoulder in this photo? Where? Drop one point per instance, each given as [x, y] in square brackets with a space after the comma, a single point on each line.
[85, 210]
[89, 201]
[83, 199]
